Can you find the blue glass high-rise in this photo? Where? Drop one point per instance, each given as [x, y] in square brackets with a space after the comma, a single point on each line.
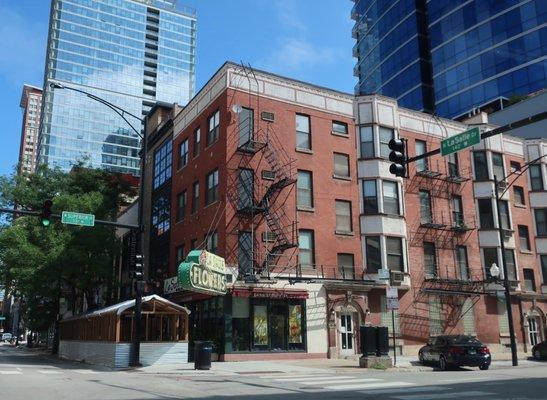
[132, 53]
[449, 56]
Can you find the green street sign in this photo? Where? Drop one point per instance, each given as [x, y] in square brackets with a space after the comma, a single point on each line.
[459, 142]
[74, 218]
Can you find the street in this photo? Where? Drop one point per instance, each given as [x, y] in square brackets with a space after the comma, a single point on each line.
[26, 375]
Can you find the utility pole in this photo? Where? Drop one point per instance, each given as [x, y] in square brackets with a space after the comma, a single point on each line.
[514, 356]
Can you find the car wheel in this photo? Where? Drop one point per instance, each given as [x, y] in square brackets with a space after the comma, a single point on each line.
[484, 367]
[537, 355]
[443, 365]
[421, 359]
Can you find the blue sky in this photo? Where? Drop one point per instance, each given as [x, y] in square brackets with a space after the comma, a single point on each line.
[308, 40]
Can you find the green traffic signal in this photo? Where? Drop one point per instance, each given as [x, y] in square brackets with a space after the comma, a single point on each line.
[46, 213]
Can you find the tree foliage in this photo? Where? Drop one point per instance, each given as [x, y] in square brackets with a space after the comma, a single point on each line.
[46, 263]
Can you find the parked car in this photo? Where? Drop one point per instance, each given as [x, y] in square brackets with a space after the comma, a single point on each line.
[455, 350]
[539, 351]
[5, 337]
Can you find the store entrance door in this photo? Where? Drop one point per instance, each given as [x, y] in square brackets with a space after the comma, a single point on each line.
[533, 331]
[347, 347]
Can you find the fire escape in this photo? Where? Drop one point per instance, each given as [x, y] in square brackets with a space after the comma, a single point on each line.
[264, 202]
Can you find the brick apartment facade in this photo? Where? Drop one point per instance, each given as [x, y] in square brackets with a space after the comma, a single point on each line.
[31, 104]
[289, 183]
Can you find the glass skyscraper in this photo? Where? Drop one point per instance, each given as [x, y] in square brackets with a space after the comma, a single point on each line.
[449, 56]
[131, 53]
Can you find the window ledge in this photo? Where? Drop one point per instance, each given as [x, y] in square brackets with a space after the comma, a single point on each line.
[344, 233]
[211, 204]
[302, 150]
[305, 209]
[181, 168]
[527, 252]
[520, 205]
[342, 178]
[372, 158]
[340, 134]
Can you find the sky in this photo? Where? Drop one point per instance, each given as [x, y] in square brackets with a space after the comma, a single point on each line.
[309, 40]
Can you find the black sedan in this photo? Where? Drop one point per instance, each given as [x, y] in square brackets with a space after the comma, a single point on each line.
[539, 351]
[455, 350]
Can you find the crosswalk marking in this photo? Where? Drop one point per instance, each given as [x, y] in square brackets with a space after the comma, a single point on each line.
[314, 378]
[83, 371]
[344, 381]
[284, 375]
[470, 394]
[49, 372]
[377, 385]
[408, 390]
[10, 372]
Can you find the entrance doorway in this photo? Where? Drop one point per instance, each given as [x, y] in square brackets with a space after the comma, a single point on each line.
[347, 336]
[533, 331]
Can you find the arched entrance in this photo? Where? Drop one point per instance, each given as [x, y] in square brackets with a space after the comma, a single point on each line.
[348, 318]
[534, 322]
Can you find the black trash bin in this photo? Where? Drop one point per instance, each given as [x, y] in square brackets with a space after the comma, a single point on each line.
[202, 354]
[368, 340]
[382, 341]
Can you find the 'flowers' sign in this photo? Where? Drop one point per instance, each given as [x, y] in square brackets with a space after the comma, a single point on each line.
[203, 272]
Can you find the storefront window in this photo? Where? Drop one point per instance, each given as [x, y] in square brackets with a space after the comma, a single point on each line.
[260, 325]
[295, 326]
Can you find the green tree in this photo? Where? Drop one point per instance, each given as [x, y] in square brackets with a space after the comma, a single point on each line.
[46, 263]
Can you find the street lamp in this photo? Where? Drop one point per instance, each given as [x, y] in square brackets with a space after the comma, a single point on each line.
[139, 283]
[494, 271]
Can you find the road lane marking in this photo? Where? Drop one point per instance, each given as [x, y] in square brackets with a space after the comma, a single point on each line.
[370, 386]
[407, 390]
[438, 396]
[49, 372]
[343, 381]
[10, 372]
[315, 378]
[83, 371]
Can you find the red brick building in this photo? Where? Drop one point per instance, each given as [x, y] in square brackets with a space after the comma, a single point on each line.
[31, 104]
[289, 183]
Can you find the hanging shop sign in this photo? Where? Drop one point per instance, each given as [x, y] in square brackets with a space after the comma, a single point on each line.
[171, 285]
[203, 272]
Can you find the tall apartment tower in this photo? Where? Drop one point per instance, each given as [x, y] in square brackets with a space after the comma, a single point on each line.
[31, 104]
[131, 53]
[450, 57]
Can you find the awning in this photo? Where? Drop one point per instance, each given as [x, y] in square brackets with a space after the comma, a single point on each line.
[269, 293]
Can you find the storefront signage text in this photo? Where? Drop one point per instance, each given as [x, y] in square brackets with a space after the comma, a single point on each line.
[203, 272]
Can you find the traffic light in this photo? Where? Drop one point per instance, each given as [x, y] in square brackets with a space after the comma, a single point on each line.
[46, 213]
[139, 267]
[398, 157]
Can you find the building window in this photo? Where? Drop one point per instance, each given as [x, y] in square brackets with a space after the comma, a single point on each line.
[390, 194]
[524, 238]
[373, 254]
[529, 280]
[303, 132]
[394, 251]
[162, 163]
[504, 214]
[305, 189]
[341, 165]
[195, 197]
[453, 165]
[481, 166]
[497, 166]
[511, 266]
[370, 197]
[541, 221]
[421, 148]
[181, 205]
[245, 253]
[426, 216]
[536, 177]
[197, 141]
[214, 128]
[386, 134]
[519, 195]
[457, 213]
[183, 154]
[544, 267]
[246, 126]
[430, 260]
[346, 265]
[515, 166]
[366, 138]
[211, 195]
[462, 262]
[180, 254]
[161, 215]
[306, 253]
[212, 242]
[340, 128]
[245, 188]
[486, 215]
[435, 319]
[490, 257]
[343, 216]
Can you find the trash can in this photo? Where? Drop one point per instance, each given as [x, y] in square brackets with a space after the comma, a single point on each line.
[202, 354]
[382, 341]
[368, 340]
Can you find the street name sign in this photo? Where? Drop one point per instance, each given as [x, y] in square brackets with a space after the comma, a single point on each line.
[2, 318]
[74, 218]
[461, 141]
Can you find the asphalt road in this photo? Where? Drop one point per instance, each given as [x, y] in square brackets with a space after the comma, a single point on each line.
[29, 376]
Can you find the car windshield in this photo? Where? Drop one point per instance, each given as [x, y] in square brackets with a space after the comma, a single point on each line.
[463, 340]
